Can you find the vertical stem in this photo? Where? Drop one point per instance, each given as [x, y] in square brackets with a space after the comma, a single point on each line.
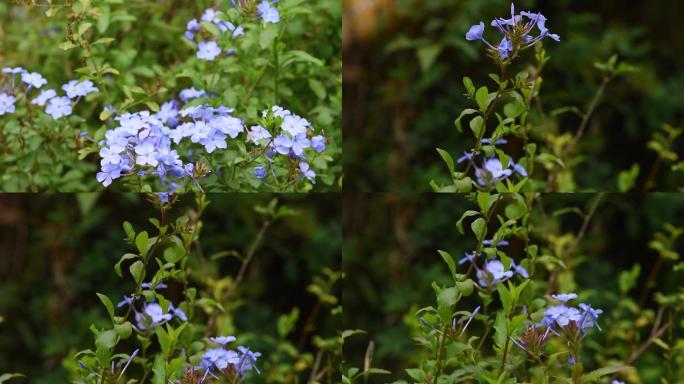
[440, 356]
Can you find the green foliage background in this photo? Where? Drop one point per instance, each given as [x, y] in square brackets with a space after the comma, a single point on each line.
[56, 251]
[403, 88]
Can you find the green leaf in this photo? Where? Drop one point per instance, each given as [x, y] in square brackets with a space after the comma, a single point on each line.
[137, 270]
[105, 114]
[141, 243]
[117, 266]
[468, 84]
[516, 209]
[479, 228]
[598, 373]
[288, 322]
[128, 229]
[468, 213]
[107, 303]
[107, 339]
[7, 376]
[159, 370]
[477, 126]
[268, 35]
[174, 254]
[514, 109]
[448, 160]
[485, 201]
[627, 179]
[482, 99]
[465, 287]
[506, 298]
[628, 279]
[164, 341]
[501, 329]
[124, 330]
[464, 113]
[450, 262]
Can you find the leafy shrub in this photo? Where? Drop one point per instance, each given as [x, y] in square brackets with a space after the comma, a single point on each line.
[171, 97]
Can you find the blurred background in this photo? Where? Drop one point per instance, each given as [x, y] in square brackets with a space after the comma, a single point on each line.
[404, 61]
[390, 261]
[56, 251]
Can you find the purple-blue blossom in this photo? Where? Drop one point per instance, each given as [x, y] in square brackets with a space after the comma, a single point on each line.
[6, 103]
[208, 50]
[33, 79]
[517, 28]
[268, 12]
[59, 107]
[43, 97]
[76, 89]
[307, 171]
[259, 172]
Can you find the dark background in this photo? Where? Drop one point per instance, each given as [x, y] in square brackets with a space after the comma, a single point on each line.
[390, 261]
[395, 113]
[56, 251]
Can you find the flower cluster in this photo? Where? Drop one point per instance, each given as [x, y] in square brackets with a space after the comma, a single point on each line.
[295, 136]
[142, 142]
[145, 143]
[516, 33]
[560, 320]
[57, 106]
[209, 50]
[562, 315]
[222, 361]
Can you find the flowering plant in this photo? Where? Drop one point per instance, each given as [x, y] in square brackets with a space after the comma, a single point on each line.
[240, 95]
[544, 160]
[514, 308]
[160, 336]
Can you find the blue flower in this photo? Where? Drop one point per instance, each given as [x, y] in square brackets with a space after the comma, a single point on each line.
[500, 243]
[6, 104]
[43, 97]
[307, 172]
[208, 50]
[259, 172]
[295, 125]
[58, 107]
[109, 172]
[76, 89]
[229, 125]
[247, 360]
[191, 93]
[145, 154]
[13, 71]
[491, 172]
[219, 358]
[505, 48]
[475, 32]
[33, 79]
[318, 143]
[564, 297]
[223, 340]
[268, 12]
[468, 257]
[514, 29]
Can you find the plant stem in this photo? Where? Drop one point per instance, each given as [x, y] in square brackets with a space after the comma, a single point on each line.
[440, 355]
